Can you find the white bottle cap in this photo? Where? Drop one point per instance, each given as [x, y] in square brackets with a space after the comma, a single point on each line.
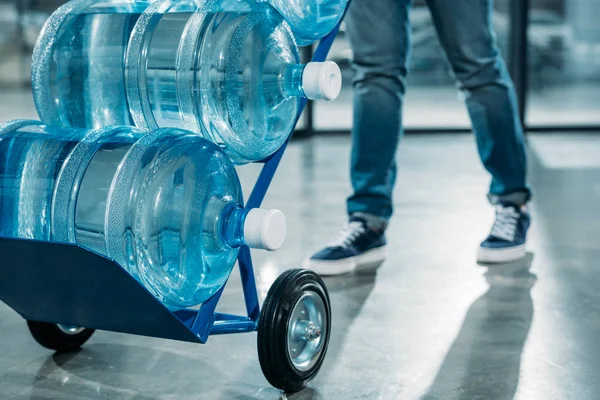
[322, 80]
[264, 229]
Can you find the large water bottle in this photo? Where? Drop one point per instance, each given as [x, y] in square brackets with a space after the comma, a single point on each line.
[227, 69]
[167, 205]
[310, 20]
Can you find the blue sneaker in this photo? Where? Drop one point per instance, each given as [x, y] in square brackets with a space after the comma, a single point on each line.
[506, 241]
[355, 247]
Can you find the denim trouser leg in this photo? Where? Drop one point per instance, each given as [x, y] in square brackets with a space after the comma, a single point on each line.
[379, 33]
[466, 34]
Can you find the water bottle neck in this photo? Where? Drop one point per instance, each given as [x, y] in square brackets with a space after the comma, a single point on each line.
[291, 80]
[232, 233]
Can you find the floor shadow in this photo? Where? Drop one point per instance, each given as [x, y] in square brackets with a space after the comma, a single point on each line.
[115, 371]
[306, 394]
[484, 360]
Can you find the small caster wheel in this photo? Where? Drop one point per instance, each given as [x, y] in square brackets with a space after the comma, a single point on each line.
[293, 330]
[60, 338]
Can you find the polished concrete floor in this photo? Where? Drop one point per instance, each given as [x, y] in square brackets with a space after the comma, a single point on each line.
[430, 324]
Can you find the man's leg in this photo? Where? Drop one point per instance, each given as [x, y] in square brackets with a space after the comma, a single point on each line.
[466, 34]
[379, 34]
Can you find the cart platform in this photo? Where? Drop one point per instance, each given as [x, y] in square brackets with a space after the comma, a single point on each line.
[65, 279]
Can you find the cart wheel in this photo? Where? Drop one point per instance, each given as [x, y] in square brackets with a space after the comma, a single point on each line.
[60, 338]
[293, 330]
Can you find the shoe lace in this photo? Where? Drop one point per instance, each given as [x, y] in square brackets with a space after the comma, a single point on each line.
[505, 225]
[349, 233]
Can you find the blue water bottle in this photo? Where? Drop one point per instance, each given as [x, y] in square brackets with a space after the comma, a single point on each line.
[166, 205]
[228, 70]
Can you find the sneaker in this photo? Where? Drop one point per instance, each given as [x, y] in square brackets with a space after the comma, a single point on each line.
[355, 247]
[506, 241]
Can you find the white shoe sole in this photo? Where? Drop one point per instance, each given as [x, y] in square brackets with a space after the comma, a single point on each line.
[499, 256]
[369, 260]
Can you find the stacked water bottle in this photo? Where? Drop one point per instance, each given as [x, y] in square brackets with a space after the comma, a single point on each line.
[146, 106]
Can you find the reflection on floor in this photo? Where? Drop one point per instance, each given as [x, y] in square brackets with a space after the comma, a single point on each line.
[430, 324]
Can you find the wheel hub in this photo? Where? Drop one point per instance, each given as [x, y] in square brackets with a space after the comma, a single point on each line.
[306, 329]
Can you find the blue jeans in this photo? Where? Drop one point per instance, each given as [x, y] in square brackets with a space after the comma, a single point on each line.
[380, 35]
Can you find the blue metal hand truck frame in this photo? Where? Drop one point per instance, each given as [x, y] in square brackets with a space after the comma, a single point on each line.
[59, 287]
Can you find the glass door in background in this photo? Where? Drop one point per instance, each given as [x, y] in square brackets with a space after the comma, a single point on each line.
[564, 63]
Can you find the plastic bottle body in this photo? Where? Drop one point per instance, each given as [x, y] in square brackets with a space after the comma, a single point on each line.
[218, 71]
[311, 20]
[251, 110]
[217, 68]
[165, 213]
[166, 205]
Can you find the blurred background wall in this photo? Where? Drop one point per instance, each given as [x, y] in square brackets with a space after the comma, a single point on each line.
[563, 65]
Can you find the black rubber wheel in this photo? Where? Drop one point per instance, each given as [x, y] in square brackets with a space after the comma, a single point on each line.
[57, 337]
[294, 330]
